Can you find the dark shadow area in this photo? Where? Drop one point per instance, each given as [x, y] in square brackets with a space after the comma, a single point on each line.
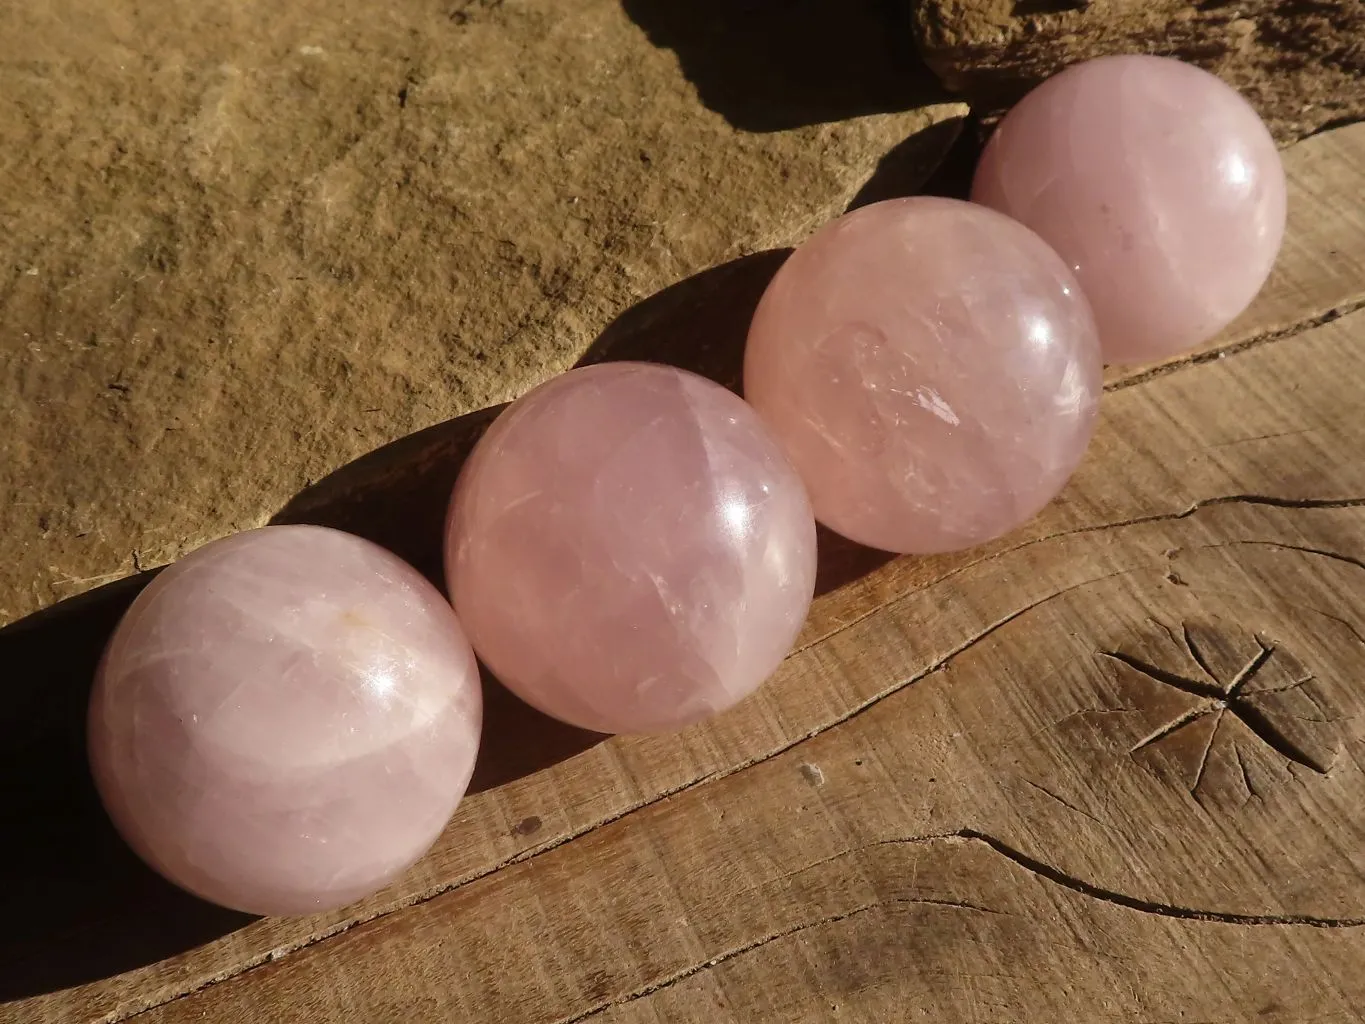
[769, 65]
[920, 158]
[841, 561]
[396, 495]
[519, 741]
[952, 178]
[699, 324]
[78, 904]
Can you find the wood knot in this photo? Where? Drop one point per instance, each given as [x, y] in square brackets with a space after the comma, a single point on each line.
[1227, 700]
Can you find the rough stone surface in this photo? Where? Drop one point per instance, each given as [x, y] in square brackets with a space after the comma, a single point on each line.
[1299, 62]
[244, 244]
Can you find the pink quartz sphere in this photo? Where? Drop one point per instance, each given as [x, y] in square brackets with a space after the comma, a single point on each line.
[1160, 187]
[629, 549]
[932, 368]
[285, 720]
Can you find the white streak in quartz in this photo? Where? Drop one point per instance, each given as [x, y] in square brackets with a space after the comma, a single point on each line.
[665, 567]
[931, 401]
[932, 370]
[285, 719]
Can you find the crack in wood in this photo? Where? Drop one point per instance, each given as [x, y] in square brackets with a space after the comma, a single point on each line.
[1170, 633]
[1196, 653]
[1285, 688]
[1336, 556]
[1067, 804]
[1246, 776]
[1250, 669]
[1056, 876]
[1267, 732]
[1032, 865]
[1208, 749]
[1273, 502]
[1220, 702]
[256, 962]
[1193, 687]
[1337, 618]
[1267, 500]
[755, 944]
[1237, 348]
[1263, 437]
[1175, 725]
[1333, 555]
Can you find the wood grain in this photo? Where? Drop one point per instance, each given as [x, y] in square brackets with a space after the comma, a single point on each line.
[1106, 769]
[1299, 63]
[989, 815]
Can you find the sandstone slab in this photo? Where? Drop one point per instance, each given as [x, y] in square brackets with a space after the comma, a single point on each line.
[245, 244]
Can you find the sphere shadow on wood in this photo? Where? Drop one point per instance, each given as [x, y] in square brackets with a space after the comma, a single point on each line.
[519, 740]
[78, 904]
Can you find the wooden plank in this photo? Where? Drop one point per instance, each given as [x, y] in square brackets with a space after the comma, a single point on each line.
[1112, 776]
[1277, 422]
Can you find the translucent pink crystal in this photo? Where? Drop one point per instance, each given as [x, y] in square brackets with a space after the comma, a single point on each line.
[1159, 186]
[629, 549]
[931, 367]
[285, 719]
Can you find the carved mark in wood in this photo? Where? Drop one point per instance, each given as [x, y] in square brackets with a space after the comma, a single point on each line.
[1221, 697]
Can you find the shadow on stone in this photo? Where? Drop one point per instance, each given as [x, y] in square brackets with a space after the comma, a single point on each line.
[952, 178]
[699, 324]
[396, 495]
[769, 65]
[920, 158]
[78, 904]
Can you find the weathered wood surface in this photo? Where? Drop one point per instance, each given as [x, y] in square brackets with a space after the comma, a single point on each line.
[1300, 62]
[1107, 769]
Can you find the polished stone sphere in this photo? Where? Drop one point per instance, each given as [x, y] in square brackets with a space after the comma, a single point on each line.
[285, 720]
[932, 368]
[1160, 187]
[629, 548]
